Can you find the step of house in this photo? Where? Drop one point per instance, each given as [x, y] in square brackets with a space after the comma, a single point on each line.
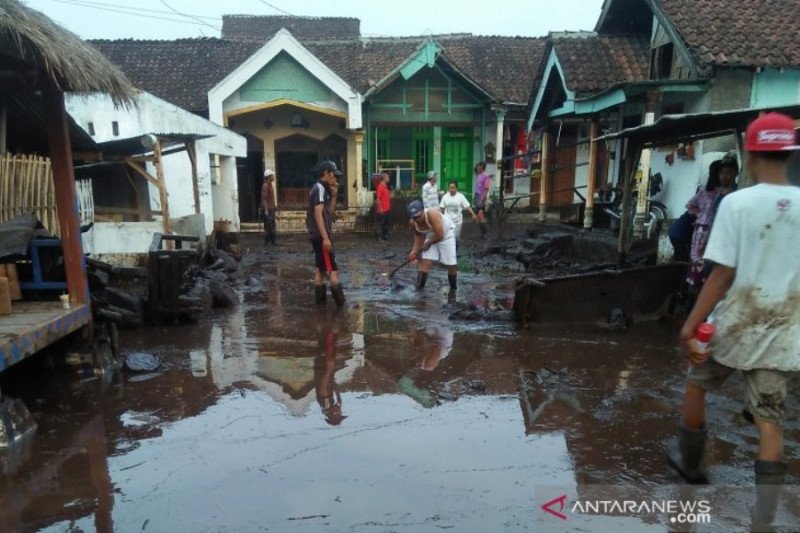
[295, 222]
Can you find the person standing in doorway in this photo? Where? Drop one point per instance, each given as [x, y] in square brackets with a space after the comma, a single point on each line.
[430, 193]
[452, 205]
[269, 207]
[482, 185]
[435, 239]
[383, 207]
[752, 297]
[319, 222]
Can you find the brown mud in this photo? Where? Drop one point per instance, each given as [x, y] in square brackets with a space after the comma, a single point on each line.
[384, 416]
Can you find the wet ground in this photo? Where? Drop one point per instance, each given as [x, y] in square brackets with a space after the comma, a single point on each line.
[385, 416]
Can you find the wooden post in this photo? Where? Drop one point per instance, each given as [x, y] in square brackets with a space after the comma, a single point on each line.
[162, 188]
[191, 149]
[633, 153]
[64, 182]
[588, 214]
[543, 184]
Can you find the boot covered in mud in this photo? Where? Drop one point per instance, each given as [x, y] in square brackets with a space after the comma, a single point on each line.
[769, 484]
[320, 294]
[338, 294]
[422, 279]
[685, 454]
[452, 280]
[484, 229]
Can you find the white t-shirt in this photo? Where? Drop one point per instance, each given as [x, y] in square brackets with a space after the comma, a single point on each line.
[430, 195]
[757, 232]
[452, 205]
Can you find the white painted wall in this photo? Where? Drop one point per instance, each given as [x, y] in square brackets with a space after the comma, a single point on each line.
[154, 115]
[126, 243]
[682, 178]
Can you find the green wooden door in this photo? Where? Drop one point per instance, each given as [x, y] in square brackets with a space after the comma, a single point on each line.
[422, 138]
[457, 159]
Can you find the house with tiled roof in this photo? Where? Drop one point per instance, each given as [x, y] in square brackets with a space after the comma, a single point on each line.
[648, 58]
[304, 89]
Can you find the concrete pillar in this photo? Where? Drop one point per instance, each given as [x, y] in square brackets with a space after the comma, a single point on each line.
[358, 137]
[588, 214]
[543, 184]
[653, 98]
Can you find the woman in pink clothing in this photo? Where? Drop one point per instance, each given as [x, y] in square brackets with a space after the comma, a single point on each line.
[721, 181]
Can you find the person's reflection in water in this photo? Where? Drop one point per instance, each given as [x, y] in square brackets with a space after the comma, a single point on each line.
[431, 345]
[329, 399]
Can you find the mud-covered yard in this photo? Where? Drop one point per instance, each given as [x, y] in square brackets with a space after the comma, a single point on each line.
[399, 413]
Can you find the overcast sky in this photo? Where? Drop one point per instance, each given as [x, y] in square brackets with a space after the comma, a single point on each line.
[171, 19]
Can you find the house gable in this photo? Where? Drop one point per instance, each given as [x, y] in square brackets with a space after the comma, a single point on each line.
[225, 96]
[285, 78]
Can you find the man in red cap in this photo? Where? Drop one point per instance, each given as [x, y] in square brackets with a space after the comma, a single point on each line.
[753, 298]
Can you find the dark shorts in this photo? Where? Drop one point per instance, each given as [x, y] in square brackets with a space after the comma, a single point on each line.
[478, 203]
[325, 260]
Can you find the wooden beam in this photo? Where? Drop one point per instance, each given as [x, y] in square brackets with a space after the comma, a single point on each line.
[588, 214]
[543, 184]
[162, 189]
[142, 172]
[142, 158]
[66, 201]
[191, 150]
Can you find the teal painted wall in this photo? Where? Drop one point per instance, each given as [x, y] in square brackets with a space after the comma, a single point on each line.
[284, 77]
[773, 88]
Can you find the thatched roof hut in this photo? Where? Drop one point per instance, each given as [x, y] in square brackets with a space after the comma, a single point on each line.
[30, 39]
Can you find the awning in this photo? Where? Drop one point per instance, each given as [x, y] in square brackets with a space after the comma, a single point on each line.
[671, 129]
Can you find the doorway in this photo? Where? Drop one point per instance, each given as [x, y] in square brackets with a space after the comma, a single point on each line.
[296, 158]
[250, 177]
[457, 159]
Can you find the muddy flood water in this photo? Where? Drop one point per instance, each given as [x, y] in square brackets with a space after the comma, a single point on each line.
[385, 416]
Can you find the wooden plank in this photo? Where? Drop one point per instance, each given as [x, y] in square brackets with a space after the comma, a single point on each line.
[5, 296]
[35, 325]
[9, 270]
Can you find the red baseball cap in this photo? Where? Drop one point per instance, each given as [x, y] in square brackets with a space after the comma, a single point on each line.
[773, 132]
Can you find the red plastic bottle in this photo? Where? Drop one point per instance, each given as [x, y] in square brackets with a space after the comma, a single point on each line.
[705, 332]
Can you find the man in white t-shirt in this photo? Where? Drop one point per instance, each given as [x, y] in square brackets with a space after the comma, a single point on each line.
[452, 205]
[753, 298]
[430, 193]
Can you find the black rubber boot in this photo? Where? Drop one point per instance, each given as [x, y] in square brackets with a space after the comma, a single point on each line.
[484, 229]
[685, 454]
[451, 278]
[338, 294]
[422, 278]
[319, 294]
[769, 484]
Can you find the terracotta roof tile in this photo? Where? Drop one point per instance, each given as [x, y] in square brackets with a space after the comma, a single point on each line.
[592, 62]
[183, 71]
[253, 27]
[738, 33]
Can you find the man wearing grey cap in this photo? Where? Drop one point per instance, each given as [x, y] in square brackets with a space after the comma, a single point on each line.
[269, 206]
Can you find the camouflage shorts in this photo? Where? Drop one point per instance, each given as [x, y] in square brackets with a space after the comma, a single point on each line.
[765, 389]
